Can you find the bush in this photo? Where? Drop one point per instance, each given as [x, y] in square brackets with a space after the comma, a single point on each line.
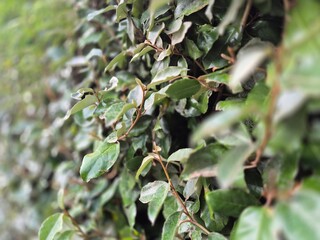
[33, 45]
[194, 119]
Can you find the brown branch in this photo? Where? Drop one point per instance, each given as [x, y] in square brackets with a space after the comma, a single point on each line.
[139, 114]
[74, 222]
[200, 66]
[174, 191]
[147, 42]
[275, 91]
[246, 14]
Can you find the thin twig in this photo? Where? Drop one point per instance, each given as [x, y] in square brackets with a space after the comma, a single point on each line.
[139, 114]
[275, 91]
[174, 191]
[200, 66]
[74, 222]
[246, 14]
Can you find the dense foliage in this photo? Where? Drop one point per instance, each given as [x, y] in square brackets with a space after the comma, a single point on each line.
[191, 119]
[35, 40]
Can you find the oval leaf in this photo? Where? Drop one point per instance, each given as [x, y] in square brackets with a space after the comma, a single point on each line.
[86, 102]
[254, 224]
[148, 159]
[154, 193]
[170, 226]
[97, 163]
[166, 75]
[229, 202]
[183, 88]
[51, 227]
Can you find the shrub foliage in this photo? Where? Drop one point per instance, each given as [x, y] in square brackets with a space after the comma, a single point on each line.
[192, 120]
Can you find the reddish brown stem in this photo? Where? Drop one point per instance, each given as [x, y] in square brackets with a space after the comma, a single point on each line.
[174, 191]
[139, 114]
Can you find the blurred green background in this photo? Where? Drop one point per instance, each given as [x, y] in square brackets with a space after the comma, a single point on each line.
[35, 40]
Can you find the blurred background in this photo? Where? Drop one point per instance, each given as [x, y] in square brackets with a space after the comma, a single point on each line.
[35, 41]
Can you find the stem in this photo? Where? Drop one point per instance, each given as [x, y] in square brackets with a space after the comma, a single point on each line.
[200, 66]
[275, 91]
[246, 14]
[139, 114]
[174, 191]
[74, 222]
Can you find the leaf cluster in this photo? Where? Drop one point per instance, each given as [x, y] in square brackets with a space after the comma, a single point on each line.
[193, 120]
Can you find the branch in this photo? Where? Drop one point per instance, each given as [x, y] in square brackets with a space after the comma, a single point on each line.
[246, 14]
[174, 191]
[74, 222]
[139, 114]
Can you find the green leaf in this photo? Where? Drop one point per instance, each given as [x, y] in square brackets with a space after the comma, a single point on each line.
[66, 235]
[297, 219]
[187, 7]
[126, 188]
[196, 235]
[60, 198]
[166, 75]
[95, 52]
[218, 122]
[288, 103]
[81, 92]
[143, 52]
[121, 11]
[247, 62]
[153, 99]
[174, 26]
[112, 113]
[206, 37]
[131, 213]
[203, 162]
[301, 40]
[145, 162]
[92, 15]
[216, 236]
[180, 155]
[86, 102]
[229, 202]
[109, 193]
[115, 61]
[154, 7]
[192, 50]
[101, 160]
[311, 183]
[231, 164]
[170, 226]
[116, 111]
[154, 193]
[141, 126]
[283, 170]
[155, 32]
[51, 227]
[238, 135]
[213, 58]
[230, 16]
[182, 62]
[177, 37]
[215, 221]
[216, 78]
[190, 187]
[170, 206]
[183, 88]
[254, 224]
[157, 4]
